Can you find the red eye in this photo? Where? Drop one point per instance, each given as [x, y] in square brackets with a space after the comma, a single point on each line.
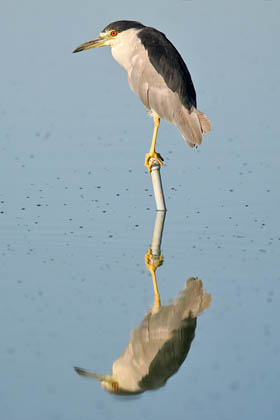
[115, 386]
[114, 33]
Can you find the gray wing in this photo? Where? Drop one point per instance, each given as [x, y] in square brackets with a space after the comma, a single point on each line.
[150, 86]
[155, 94]
[169, 64]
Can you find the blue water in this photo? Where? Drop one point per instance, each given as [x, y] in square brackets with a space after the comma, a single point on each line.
[77, 211]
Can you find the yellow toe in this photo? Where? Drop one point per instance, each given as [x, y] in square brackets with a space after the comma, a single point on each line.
[149, 160]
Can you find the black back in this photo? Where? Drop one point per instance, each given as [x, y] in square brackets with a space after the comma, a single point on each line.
[171, 356]
[168, 62]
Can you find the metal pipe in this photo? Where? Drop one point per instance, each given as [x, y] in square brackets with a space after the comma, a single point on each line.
[157, 186]
[157, 235]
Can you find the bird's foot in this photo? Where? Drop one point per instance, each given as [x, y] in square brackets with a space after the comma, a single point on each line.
[153, 261]
[150, 160]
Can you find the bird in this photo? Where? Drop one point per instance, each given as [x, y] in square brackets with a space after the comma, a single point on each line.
[158, 75]
[158, 346]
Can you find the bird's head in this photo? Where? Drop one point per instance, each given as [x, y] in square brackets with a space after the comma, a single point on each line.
[107, 381]
[110, 34]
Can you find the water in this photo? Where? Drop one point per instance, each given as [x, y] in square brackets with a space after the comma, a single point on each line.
[77, 211]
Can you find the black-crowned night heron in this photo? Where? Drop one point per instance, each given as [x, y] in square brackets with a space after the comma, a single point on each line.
[158, 75]
[158, 346]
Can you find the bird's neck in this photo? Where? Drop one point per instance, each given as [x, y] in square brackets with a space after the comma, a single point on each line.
[125, 48]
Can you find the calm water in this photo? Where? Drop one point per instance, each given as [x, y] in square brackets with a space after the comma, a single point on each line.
[77, 212]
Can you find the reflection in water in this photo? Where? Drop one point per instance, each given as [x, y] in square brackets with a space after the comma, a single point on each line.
[160, 344]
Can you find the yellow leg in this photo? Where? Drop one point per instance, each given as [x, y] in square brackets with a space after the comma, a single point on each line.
[152, 266]
[156, 292]
[152, 153]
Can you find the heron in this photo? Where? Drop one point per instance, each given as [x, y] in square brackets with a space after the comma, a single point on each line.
[158, 346]
[158, 75]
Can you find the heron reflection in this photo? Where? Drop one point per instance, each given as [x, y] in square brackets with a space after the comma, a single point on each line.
[159, 345]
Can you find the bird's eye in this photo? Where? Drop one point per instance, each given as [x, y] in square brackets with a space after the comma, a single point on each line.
[114, 33]
[115, 386]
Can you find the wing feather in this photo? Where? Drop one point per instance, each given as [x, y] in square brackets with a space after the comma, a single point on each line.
[168, 62]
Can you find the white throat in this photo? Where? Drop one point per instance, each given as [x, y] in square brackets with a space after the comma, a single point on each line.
[125, 47]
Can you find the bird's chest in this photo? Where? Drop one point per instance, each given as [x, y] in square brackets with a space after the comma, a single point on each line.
[126, 52]
[121, 55]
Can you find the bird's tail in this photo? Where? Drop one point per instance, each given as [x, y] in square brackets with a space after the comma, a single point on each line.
[194, 299]
[192, 124]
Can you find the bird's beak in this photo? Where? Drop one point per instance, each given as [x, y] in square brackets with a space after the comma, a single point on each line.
[94, 43]
[89, 374]
[106, 381]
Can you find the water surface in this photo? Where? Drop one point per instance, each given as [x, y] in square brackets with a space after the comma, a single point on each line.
[77, 211]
